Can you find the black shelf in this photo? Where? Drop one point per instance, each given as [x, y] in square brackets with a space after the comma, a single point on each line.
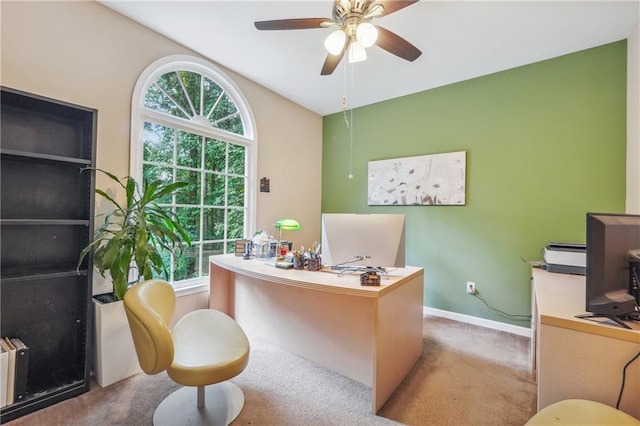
[44, 190]
[46, 219]
[46, 127]
[48, 396]
[44, 157]
[21, 273]
[44, 222]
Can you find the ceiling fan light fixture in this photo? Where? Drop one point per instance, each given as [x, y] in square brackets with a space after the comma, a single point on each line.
[366, 34]
[352, 31]
[356, 52]
[334, 43]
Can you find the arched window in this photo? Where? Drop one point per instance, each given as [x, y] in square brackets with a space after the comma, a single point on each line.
[191, 123]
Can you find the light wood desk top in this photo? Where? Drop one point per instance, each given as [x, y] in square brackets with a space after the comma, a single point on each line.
[318, 280]
[560, 297]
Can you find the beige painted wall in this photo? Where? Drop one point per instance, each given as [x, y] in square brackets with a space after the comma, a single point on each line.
[633, 121]
[86, 54]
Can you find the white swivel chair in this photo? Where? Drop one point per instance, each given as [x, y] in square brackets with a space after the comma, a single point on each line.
[204, 350]
[580, 412]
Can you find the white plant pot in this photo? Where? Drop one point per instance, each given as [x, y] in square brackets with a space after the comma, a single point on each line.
[114, 356]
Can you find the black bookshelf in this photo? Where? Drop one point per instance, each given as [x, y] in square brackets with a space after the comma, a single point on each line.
[46, 219]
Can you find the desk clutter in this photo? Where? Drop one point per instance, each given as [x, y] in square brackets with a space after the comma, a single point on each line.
[264, 247]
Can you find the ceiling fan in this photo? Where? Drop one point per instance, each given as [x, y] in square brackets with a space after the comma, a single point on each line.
[354, 30]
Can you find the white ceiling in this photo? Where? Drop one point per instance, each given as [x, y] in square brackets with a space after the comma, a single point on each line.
[459, 41]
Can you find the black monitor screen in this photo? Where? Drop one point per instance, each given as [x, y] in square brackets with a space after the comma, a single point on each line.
[611, 240]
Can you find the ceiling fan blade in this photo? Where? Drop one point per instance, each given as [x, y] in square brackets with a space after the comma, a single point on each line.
[391, 6]
[292, 24]
[395, 44]
[332, 61]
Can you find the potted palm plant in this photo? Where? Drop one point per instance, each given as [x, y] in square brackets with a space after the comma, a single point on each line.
[128, 246]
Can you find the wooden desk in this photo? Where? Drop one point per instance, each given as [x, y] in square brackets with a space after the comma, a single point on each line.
[370, 334]
[579, 358]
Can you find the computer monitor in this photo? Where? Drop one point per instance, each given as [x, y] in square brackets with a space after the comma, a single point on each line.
[363, 240]
[613, 241]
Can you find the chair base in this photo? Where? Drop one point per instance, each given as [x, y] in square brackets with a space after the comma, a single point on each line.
[223, 403]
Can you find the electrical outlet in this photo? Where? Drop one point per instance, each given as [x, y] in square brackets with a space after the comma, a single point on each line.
[471, 287]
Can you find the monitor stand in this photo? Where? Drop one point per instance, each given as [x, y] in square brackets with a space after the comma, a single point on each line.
[611, 317]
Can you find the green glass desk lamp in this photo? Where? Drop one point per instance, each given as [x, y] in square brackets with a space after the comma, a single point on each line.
[287, 225]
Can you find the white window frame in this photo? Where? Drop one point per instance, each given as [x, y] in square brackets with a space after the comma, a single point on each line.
[140, 114]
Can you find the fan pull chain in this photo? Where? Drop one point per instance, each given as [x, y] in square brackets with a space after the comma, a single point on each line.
[344, 110]
[350, 124]
[350, 175]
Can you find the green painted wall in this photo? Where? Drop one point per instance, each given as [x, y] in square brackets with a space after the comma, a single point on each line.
[545, 144]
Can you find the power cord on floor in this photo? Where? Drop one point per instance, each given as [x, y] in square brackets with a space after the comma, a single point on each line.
[515, 317]
[624, 374]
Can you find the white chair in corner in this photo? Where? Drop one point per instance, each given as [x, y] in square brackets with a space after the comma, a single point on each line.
[204, 350]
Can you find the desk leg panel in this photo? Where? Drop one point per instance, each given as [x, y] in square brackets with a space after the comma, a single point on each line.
[332, 330]
[398, 338]
[220, 286]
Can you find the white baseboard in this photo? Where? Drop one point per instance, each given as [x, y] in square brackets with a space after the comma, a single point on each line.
[496, 325]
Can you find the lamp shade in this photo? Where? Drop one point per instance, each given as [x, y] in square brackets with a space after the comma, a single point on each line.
[356, 52]
[335, 42]
[287, 224]
[367, 34]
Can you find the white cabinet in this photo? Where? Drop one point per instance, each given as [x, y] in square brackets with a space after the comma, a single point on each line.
[578, 358]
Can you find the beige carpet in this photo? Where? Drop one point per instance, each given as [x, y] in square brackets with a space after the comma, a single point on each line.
[467, 375]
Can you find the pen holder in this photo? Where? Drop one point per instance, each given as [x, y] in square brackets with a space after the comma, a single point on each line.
[261, 250]
[313, 264]
[298, 262]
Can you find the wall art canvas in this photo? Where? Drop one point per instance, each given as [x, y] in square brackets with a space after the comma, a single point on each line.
[437, 179]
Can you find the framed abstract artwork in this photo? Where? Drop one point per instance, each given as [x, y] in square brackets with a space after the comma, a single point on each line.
[436, 179]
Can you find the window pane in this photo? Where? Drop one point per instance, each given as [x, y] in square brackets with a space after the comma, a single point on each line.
[210, 249]
[166, 260]
[189, 150]
[186, 265]
[232, 124]
[214, 190]
[191, 193]
[224, 109]
[231, 246]
[213, 224]
[211, 94]
[235, 224]
[214, 157]
[177, 104]
[158, 100]
[236, 159]
[158, 143]
[151, 173]
[191, 81]
[190, 221]
[236, 192]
